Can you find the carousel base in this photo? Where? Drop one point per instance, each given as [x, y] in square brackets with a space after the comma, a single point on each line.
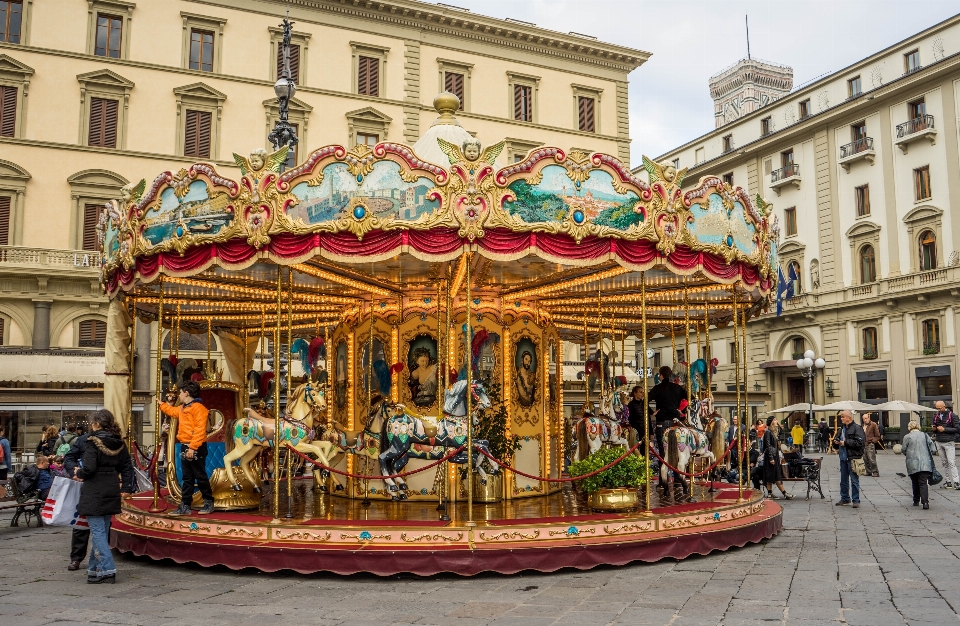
[543, 534]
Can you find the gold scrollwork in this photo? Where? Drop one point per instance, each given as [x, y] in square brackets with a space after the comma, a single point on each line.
[132, 517]
[365, 536]
[301, 535]
[516, 534]
[239, 532]
[573, 532]
[628, 528]
[160, 522]
[680, 522]
[430, 537]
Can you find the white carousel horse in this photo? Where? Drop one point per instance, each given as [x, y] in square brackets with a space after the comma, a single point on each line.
[254, 433]
[402, 430]
[682, 443]
[595, 430]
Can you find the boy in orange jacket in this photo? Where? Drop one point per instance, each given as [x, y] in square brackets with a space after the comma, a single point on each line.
[192, 433]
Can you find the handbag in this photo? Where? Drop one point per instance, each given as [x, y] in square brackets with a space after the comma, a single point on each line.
[858, 467]
[935, 476]
[60, 508]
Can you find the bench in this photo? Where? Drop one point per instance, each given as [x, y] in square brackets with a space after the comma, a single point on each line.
[811, 476]
[26, 505]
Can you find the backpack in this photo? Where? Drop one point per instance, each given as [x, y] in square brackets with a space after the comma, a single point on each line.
[64, 447]
[3, 458]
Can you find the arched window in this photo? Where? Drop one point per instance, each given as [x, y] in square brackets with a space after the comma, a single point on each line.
[928, 250]
[799, 346]
[793, 273]
[93, 334]
[931, 336]
[868, 265]
[870, 343]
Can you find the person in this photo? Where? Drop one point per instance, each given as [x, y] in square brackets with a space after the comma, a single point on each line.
[80, 537]
[872, 433]
[733, 433]
[945, 428]
[36, 477]
[666, 395]
[6, 461]
[106, 472]
[761, 431]
[797, 434]
[48, 441]
[752, 433]
[423, 379]
[526, 380]
[849, 442]
[636, 411]
[772, 470]
[823, 435]
[192, 432]
[918, 451]
[65, 440]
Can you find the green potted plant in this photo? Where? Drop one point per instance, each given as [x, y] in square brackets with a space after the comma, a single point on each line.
[492, 426]
[615, 488]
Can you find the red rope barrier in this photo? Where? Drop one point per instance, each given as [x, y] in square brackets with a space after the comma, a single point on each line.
[378, 476]
[694, 474]
[136, 457]
[559, 480]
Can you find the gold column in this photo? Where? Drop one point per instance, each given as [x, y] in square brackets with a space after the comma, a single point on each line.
[330, 373]
[586, 357]
[746, 384]
[646, 399]
[133, 356]
[686, 339]
[736, 376]
[466, 352]
[706, 347]
[366, 466]
[276, 398]
[155, 507]
[246, 383]
[289, 385]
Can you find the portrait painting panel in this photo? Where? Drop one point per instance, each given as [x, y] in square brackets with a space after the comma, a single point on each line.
[378, 357]
[422, 365]
[525, 364]
[340, 382]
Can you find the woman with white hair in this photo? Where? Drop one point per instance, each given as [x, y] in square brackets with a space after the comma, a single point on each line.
[918, 449]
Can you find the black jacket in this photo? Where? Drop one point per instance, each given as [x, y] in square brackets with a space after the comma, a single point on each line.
[635, 407]
[105, 460]
[667, 396]
[950, 427]
[854, 440]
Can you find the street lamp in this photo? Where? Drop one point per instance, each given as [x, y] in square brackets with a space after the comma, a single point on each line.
[809, 365]
[283, 133]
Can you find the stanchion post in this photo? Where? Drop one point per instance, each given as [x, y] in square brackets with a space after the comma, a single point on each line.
[276, 397]
[155, 507]
[736, 376]
[468, 353]
[646, 398]
[289, 453]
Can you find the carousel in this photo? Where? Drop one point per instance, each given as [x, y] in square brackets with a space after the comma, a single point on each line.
[391, 318]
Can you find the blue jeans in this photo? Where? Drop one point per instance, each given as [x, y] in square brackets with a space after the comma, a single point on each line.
[848, 478]
[100, 562]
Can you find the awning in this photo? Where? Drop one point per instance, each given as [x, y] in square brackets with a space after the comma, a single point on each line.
[769, 365]
[47, 367]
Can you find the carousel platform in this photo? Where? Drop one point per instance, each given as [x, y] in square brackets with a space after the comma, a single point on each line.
[340, 535]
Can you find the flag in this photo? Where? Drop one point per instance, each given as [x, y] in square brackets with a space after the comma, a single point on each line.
[784, 289]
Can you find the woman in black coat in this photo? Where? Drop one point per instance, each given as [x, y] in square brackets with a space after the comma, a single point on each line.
[772, 470]
[105, 460]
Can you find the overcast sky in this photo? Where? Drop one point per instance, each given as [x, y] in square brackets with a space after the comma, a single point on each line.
[693, 39]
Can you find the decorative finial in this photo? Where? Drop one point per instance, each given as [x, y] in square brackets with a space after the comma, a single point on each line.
[446, 105]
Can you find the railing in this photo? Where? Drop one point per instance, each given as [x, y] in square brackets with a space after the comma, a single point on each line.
[931, 348]
[933, 276]
[901, 282]
[863, 290]
[869, 355]
[915, 125]
[797, 301]
[16, 255]
[860, 145]
[785, 172]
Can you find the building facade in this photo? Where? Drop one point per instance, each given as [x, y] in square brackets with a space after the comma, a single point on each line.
[863, 170]
[95, 94]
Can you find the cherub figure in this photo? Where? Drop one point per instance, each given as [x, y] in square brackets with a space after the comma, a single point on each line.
[470, 152]
[260, 161]
[132, 192]
[663, 171]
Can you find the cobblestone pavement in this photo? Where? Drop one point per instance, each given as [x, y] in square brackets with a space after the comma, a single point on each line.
[882, 564]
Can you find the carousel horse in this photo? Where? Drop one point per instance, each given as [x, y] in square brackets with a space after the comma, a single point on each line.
[401, 431]
[595, 430]
[716, 430]
[682, 444]
[255, 432]
[365, 442]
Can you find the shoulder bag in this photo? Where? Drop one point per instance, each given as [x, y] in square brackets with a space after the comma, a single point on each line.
[935, 476]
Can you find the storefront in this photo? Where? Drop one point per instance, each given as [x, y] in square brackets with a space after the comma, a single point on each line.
[872, 389]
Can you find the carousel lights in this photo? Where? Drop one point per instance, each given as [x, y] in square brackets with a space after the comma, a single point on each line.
[343, 281]
[267, 294]
[567, 284]
[458, 276]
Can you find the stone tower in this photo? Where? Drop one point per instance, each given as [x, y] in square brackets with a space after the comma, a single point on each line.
[747, 86]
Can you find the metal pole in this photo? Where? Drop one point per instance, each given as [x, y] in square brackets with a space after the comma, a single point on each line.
[586, 357]
[133, 356]
[366, 471]
[155, 507]
[441, 386]
[646, 400]
[290, 387]
[746, 383]
[736, 377]
[467, 353]
[276, 398]
[686, 340]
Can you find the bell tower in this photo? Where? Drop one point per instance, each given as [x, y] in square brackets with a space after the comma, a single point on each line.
[747, 86]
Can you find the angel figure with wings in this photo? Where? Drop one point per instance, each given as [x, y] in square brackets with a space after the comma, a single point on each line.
[260, 161]
[473, 184]
[132, 192]
[470, 152]
[664, 171]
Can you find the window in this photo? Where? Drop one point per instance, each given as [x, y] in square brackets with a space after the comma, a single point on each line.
[786, 158]
[585, 108]
[921, 183]
[911, 61]
[863, 200]
[93, 334]
[201, 50]
[196, 137]
[916, 109]
[1, 330]
[727, 143]
[11, 18]
[766, 126]
[454, 83]
[368, 76]
[805, 108]
[699, 156]
[5, 220]
[8, 111]
[102, 129]
[523, 103]
[931, 336]
[928, 251]
[294, 62]
[109, 32]
[799, 347]
[91, 215]
[858, 131]
[790, 221]
[676, 164]
[853, 87]
[367, 139]
[680, 356]
[868, 265]
[728, 178]
[869, 343]
[734, 352]
[793, 273]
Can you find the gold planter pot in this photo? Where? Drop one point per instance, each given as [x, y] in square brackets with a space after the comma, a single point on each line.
[614, 499]
[491, 492]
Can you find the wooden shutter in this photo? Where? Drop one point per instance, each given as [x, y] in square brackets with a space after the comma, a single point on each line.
[522, 106]
[4, 220]
[8, 111]
[103, 123]
[294, 62]
[368, 76]
[453, 83]
[1, 330]
[93, 334]
[91, 213]
[586, 114]
[196, 131]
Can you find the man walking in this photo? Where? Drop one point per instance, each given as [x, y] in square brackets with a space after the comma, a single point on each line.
[80, 537]
[192, 432]
[872, 432]
[945, 428]
[849, 442]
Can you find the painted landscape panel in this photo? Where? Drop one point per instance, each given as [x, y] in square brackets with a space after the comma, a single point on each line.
[713, 225]
[196, 213]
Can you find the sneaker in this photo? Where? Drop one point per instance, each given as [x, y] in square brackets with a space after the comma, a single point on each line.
[207, 508]
[926, 506]
[947, 486]
[181, 511]
[856, 505]
[843, 503]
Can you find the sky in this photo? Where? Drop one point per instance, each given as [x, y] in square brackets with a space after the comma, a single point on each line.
[691, 40]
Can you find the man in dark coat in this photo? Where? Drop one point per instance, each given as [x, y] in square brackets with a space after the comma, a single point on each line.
[80, 537]
[666, 395]
[636, 409]
[849, 441]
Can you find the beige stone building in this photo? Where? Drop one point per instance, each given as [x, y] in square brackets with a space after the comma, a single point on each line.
[863, 169]
[98, 93]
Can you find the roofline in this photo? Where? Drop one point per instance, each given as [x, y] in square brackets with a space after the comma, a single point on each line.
[814, 85]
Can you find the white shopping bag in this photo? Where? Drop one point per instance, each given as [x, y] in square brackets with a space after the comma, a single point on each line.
[60, 509]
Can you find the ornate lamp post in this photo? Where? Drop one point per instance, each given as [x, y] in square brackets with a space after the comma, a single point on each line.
[283, 133]
[809, 365]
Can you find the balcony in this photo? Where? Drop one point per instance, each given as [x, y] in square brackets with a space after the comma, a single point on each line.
[18, 259]
[861, 149]
[786, 175]
[917, 128]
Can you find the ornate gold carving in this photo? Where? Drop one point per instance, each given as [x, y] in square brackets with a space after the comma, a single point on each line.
[516, 534]
[364, 537]
[360, 160]
[573, 531]
[194, 527]
[628, 528]
[301, 535]
[160, 522]
[430, 537]
[239, 532]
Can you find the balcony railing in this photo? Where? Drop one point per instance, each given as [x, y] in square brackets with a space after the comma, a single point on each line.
[785, 172]
[869, 355]
[860, 145]
[916, 125]
[931, 348]
[931, 277]
[42, 257]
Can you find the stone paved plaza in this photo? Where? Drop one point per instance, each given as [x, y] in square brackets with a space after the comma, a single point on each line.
[885, 563]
